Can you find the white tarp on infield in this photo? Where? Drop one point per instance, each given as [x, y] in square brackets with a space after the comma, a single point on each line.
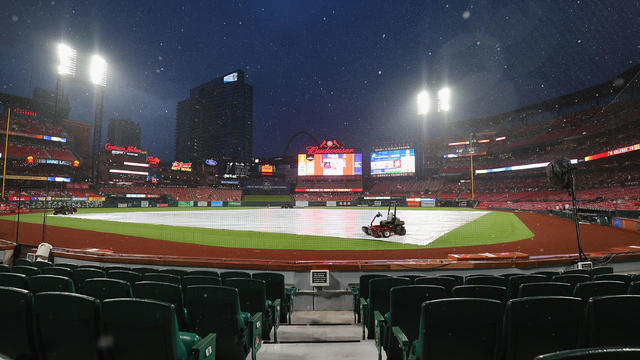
[423, 227]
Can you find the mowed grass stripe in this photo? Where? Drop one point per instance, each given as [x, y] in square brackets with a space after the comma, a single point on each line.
[492, 228]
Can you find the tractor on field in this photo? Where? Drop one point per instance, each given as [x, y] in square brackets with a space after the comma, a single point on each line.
[392, 225]
[65, 210]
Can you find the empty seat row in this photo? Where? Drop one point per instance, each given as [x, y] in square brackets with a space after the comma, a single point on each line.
[457, 328]
[512, 284]
[275, 282]
[56, 325]
[256, 295]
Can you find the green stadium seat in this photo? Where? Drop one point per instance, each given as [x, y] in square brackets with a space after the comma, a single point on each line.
[79, 275]
[131, 277]
[458, 328]
[275, 291]
[41, 264]
[148, 329]
[481, 292]
[23, 262]
[613, 321]
[577, 271]
[16, 333]
[549, 274]
[545, 289]
[478, 274]
[600, 270]
[216, 309]
[19, 281]
[203, 273]
[623, 353]
[67, 326]
[447, 283]
[173, 271]
[48, 283]
[589, 289]
[635, 277]
[103, 289]
[361, 294]
[404, 303]
[192, 280]
[515, 281]
[160, 277]
[572, 279]
[4, 357]
[626, 279]
[511, 274]
[165, 292]
[56, 270]
[116, 267]
[91, 266]
[25, 270]
[378, 300]
[66, 265]
[458, 278]
[491, 280]
[253, 299]
[4, 268]
[634, 288]
[235, 274]
[542, 324]
[411, 277]
[144, 270]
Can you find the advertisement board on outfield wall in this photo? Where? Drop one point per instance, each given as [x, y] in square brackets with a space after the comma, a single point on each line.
[185, 203]
[216, 203]
[203, 203]
[234, 203]
[302, 203]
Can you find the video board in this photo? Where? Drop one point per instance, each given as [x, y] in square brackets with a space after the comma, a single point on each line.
[393, 163]
[329, 164]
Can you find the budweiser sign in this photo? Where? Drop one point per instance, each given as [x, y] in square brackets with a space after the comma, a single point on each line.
[329, 147]
[132, 149]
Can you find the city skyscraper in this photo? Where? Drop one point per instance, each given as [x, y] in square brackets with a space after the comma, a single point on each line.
[216, 121]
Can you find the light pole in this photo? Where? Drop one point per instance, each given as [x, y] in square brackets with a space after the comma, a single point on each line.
[67, 58]
[424, 104]
[423, 109]
[98, 74]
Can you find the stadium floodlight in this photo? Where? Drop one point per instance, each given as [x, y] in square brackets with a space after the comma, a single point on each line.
[66, 60]
[444, 99]
[423, 102]
[98, 70]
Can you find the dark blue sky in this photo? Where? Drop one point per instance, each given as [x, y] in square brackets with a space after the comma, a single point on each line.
[341, 69]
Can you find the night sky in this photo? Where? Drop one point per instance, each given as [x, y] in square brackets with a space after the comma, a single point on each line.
[339, 69]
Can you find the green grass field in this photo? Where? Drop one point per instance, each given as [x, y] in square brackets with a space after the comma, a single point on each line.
[492, 228]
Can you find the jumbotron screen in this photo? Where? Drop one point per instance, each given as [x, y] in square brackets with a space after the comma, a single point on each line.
[330, 165]
[393, 163]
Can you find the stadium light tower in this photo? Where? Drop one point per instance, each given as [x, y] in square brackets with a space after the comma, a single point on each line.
[423, 102]
[98, 77]
[67, 58]
[444, 99]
